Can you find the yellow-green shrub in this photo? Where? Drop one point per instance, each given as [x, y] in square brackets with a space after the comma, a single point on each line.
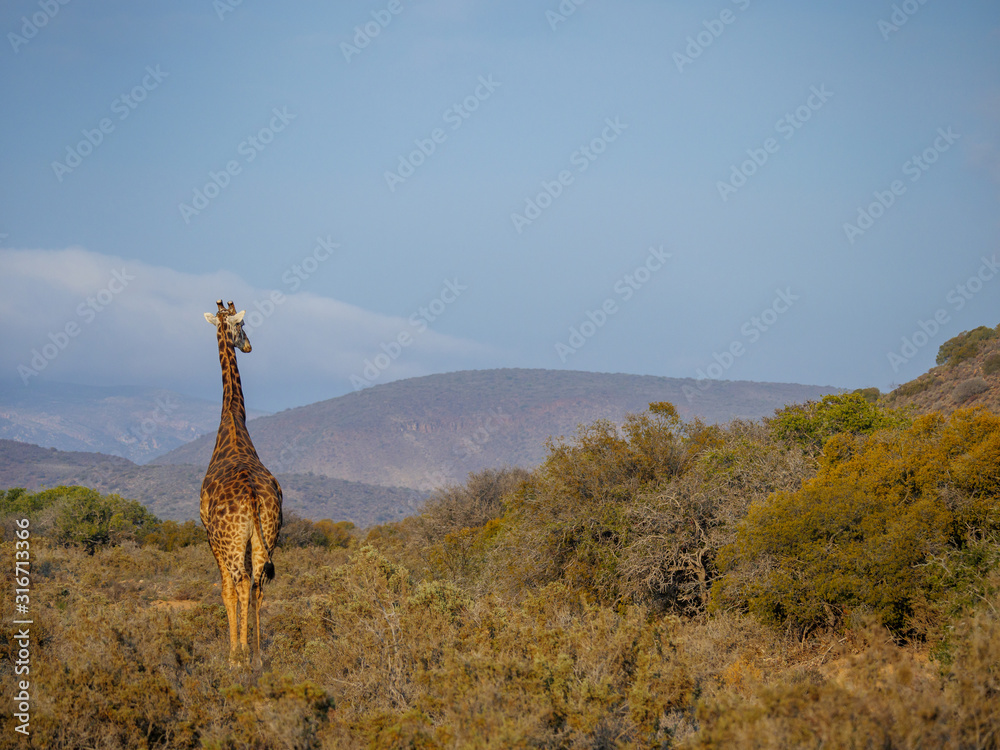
[862, 533]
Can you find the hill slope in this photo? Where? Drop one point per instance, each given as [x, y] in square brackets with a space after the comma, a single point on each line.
[133, 422]
[968, 376]
[428, 431]
[172, 492]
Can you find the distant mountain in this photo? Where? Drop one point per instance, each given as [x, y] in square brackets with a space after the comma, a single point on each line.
[133, 422]
[172, 492]
[428, 431]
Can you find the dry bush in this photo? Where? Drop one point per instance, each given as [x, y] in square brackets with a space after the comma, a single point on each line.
[450, 526]
[969, 388]
[471, 505]
[620, 535]
[991, 364]
[881, 696]
[297, 531]
[676, 532]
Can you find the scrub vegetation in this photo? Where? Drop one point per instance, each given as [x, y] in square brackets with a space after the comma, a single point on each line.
[829, 577]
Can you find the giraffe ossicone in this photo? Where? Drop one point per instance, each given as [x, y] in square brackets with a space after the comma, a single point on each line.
[240, 498]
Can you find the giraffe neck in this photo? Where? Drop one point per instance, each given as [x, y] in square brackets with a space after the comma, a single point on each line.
[234, 413]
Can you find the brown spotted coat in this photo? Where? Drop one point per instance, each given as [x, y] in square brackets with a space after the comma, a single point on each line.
[240, 498]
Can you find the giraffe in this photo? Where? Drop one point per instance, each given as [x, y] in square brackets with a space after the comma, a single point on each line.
[240, 498]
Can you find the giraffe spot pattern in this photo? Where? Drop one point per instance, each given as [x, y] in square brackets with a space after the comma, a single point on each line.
[240, 498]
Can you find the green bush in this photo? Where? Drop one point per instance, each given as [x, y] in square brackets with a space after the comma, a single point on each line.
[964, 346]
[79, 516]
[812, 423]
[871, 395]
[87, 518]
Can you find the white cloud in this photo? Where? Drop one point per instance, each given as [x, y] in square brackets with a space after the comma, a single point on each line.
[78, 316]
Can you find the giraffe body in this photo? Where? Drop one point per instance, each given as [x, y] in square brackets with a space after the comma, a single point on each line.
[240, 498]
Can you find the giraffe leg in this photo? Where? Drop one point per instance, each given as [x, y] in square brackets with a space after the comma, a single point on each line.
[258, 561]
[258, 599]
[231, 601]
[244, 603]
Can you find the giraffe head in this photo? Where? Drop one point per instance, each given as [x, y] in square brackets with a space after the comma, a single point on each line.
[232, 322]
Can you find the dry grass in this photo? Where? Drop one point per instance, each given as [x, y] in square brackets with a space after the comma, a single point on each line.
[129, 652]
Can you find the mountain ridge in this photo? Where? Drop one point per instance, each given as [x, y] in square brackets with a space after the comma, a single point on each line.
[172, 492]
[432, 430]
[134, 422]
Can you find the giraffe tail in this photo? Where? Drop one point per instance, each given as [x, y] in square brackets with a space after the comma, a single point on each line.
[268, 566]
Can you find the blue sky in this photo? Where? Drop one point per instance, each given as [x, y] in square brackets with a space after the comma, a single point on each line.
[736, 189]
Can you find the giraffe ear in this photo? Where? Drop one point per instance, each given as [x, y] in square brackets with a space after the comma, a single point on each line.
[238, 317]
[213, 319]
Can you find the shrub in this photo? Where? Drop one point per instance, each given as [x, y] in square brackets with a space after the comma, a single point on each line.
[18, 501]
[812, 423]
[339, 534]
[297, 531]
[991, 364]
[676, 531]
[457, 522]
[471, 505]
[571, 521]
[871, 395]
[969, 388]
[641, 530]
[170, 535]
[87, 518]
[964, 346]
[809, 557]
[914, 387]
[860, 534]
[882, 697]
